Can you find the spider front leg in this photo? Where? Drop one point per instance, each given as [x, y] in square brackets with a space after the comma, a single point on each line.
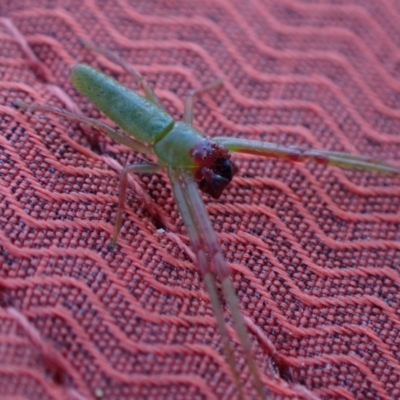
[185, 210]
[222, 272]
[298, 154]
[204, 241]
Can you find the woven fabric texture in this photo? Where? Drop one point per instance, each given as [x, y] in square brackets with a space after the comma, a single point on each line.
[314, 251]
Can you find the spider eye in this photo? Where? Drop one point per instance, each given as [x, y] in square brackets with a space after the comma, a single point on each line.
[225, 168]
[214, 180]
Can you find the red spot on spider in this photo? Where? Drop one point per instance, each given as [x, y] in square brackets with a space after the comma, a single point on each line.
[321, 160]
[206, 152]
[295, 157]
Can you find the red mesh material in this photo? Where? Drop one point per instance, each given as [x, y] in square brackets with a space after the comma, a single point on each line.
[314, 251]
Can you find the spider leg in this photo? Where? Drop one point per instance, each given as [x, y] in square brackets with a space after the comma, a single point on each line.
[101, 126]
[204, 240]
[123, 184]
[293, 153]
[223, 273]
[188, 115]
[137, 76]
[186, 211]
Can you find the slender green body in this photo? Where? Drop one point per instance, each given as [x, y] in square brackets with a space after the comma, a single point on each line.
[138, 117]
[130, 111]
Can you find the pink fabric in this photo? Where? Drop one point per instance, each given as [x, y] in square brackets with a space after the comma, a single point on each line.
[314, 250]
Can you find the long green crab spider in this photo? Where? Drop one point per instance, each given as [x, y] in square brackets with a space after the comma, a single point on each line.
[193, 162]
